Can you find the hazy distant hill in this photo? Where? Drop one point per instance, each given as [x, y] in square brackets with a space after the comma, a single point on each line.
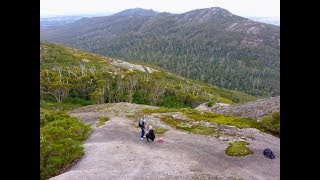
[268, 20]
[211, 45]
[57, 21]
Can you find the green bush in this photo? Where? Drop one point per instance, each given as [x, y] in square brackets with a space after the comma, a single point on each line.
[210, 104]
[172, 102]
[62, 106]
[77, 100]
[48, 116]
[140, 97]
[48, 97]
[61, 139]
[46, 105]
[238, 148]
[272, 122]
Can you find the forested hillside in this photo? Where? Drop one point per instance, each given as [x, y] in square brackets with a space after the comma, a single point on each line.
[71, 75]
[211, 45]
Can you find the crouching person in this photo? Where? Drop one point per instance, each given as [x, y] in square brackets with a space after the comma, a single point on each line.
[150, 135]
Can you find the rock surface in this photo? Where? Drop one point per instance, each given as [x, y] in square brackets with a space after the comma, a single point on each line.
[114, 151]
[256, 109]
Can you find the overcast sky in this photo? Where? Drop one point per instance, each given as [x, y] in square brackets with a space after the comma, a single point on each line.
[255, 8]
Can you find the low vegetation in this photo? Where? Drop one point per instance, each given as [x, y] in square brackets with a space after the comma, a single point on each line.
[272, 123]
[238, 148]
[209, 104]
[131, 116]
[66, 105]
[186, 125]
[197, 129]
[61, 139]
[158, 110]
[103, 120]
[160, 131]
[197, 115]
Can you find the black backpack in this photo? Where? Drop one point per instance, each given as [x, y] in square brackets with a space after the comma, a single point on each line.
[268, 153]
[141, 125]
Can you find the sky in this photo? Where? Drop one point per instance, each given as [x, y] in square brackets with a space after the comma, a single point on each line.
[245, 8]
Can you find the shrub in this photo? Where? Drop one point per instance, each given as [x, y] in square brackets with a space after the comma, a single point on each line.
[77, 100]
[102, 121]
[238, 148]
[172, 102]
[140, 97]
[61, 139]
[48, 116]
[272, 122]
[64, 106]
[209, 104]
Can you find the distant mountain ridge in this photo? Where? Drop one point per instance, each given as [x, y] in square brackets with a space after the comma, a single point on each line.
[210, 45]
[268, 20]
[57, 21]
[137, 11]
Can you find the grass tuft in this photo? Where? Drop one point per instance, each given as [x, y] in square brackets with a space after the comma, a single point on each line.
[238, 148]
[102, 121]
[160, 131]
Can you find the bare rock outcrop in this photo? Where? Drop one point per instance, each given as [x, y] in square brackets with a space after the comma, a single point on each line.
[255, 109]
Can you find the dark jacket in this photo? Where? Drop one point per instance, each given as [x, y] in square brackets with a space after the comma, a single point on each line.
[150, 135]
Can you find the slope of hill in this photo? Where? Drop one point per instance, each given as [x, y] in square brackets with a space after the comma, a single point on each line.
[211, 45]
[68, 74]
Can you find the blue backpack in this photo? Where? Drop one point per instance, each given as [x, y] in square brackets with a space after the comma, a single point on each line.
[268, 153]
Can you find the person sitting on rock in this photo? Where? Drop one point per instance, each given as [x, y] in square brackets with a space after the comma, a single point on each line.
[150, 135]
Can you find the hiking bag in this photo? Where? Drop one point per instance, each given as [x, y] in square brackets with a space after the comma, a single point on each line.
[141, 125]
[268, 153]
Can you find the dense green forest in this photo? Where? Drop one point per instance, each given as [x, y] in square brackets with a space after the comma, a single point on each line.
[209, 45]
[68, 75]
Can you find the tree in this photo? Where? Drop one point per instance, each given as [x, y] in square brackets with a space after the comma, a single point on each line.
[59, 90]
